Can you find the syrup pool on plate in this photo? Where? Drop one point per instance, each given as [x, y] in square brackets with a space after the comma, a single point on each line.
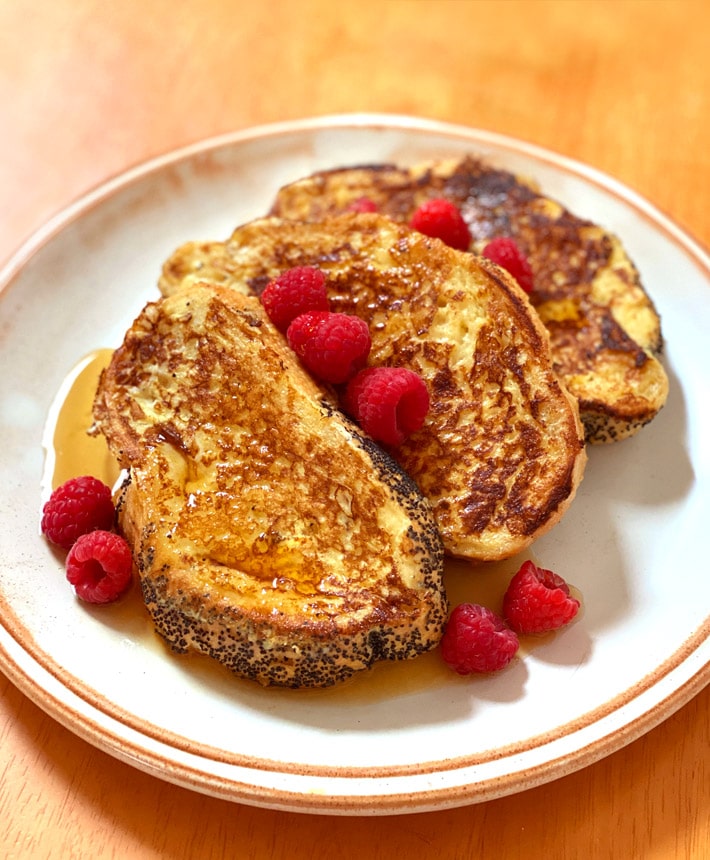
[72, 451]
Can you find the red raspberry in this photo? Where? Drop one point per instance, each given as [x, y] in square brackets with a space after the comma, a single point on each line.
[507, 254]
[295, 292]
[78, 506]
[99, 566]
[442, 220]
[538, 600]
[389, 403]
[363, 204]
[477, 640]
[333, 347]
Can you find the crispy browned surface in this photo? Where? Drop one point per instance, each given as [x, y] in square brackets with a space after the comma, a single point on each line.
[604, 330]
[268, 533]
[501, 453]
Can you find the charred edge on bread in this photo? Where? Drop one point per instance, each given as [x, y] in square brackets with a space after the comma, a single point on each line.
[616, 339]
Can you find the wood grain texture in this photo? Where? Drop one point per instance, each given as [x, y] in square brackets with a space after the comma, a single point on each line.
[89, 88]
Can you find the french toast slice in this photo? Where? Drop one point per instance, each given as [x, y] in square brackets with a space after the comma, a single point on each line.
[267, 531]
[604, 329]
[501, 452]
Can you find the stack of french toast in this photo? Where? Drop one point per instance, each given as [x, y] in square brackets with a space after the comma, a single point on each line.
[269, 531]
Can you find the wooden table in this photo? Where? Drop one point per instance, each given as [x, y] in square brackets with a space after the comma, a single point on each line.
[89, 88]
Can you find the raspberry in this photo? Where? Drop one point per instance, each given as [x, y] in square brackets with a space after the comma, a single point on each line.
[332, 346]
[78, 506]
[293, 293]
[442, 220]
[363, 204]
[507, 254]
[389, 403]
[477, 640]
[538, 600]
[99, 566]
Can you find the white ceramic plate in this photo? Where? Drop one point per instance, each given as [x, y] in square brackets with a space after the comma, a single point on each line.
[406, 738]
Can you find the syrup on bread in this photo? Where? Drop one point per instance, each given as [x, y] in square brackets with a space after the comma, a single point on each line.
[605, 331]
[501, 453]
[268, 532]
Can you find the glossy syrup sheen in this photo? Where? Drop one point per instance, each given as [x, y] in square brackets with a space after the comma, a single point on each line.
[71, 450]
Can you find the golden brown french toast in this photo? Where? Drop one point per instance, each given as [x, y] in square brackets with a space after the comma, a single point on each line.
[501, 452]
[604, 329]
[267, 531]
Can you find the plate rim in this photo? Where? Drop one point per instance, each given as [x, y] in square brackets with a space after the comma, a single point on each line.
[352, 804]
[682, 657]
[120, 179]
[388, 803]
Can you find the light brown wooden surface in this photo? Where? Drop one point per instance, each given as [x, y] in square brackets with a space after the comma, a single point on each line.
[88, 88]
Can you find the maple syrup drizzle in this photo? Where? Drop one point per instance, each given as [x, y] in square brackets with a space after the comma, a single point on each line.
[72, 451]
